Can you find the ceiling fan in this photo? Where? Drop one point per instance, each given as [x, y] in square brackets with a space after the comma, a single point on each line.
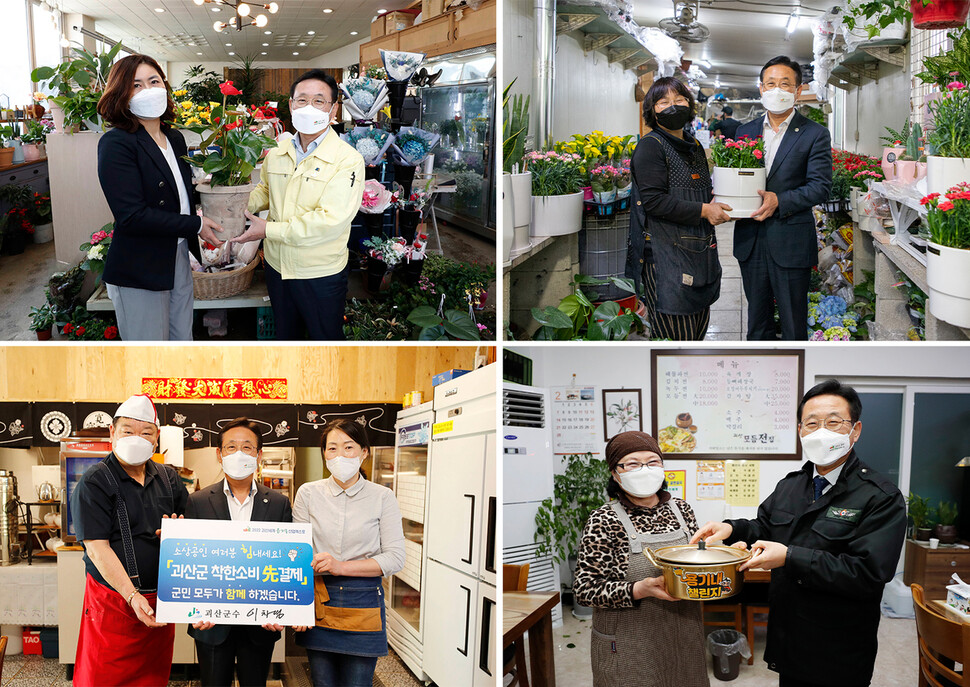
[683, 26]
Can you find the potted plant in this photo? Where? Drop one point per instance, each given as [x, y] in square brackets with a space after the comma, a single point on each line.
[577, 318]
[79, 81]
[893, 147]
[231, 164]
[96, 251]
[557, 195]
[908, 165]
[739, 173]
[875, 15]
[35, 140]
[436, 325]
[603, 182]
[577, 492]
[517, 181]
[918, 509]
[7, 150]
[17, 224]
[948, 254]
[41, 217]
[946, 528]
[949, 139]
[42, 321]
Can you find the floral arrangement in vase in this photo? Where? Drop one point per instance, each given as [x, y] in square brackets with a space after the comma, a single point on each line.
[371, 143]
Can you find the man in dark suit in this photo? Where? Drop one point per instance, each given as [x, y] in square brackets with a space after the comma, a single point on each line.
[225, 649]
[727, 125]
[777, 247]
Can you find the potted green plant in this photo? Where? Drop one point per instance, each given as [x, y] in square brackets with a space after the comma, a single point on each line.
[877, 15]
[948, 254]
[918, 509]
[6, 148]
[41, 215]
[450, 325]
[577, 492]
[79, 81]
[42, 321]
[557, 192]
[949, 139]
[578, 318]
[519, 180]
[739, 173]
[946, 529]
[34, 140]
[908, 164]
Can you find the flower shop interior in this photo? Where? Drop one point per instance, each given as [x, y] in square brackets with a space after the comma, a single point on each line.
[590, 392]
[422, 248]
[56, 405]
[888, 86]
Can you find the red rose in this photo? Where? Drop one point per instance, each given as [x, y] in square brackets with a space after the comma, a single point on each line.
[111, 332]
[228, 89]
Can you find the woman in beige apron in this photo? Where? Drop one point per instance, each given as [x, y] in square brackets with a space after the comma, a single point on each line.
[631, 607]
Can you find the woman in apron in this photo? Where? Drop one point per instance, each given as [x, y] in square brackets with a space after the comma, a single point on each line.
[682, 277]
[631, 606]
[357, 539]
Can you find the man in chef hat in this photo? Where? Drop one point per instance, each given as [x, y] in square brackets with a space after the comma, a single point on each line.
[117, 510]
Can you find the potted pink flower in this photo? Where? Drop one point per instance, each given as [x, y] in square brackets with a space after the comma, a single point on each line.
[948, 254]
[739, 173]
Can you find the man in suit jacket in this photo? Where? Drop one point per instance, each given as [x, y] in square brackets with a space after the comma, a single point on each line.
[225, 649]
[777, 248]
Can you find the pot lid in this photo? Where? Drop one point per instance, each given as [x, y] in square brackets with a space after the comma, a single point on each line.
[690, 554]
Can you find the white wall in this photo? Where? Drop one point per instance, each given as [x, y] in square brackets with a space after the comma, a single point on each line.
[874, 106]
[589, 93]
[629, 366]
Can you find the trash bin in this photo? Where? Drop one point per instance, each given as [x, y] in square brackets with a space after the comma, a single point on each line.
[727, 647]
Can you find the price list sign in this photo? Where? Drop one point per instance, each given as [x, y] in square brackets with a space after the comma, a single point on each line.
[575, 420]
[727, 403]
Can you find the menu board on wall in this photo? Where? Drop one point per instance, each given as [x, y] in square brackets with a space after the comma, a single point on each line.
[575, 420]
[727, 403]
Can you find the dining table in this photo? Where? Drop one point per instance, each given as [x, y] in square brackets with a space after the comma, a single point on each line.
[532, 612]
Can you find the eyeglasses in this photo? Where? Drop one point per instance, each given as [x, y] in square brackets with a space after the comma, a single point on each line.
[784, 85]
[318, 103]
[831, 424]
[231, 448]
[634, 465]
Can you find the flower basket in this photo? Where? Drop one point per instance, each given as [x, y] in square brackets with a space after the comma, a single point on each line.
[209, 286]
[739, 189]
[940, 14]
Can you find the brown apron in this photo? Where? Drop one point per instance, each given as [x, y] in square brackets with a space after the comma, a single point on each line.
[656, 643]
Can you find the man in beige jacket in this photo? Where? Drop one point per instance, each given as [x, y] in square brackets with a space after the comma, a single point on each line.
[312, 186]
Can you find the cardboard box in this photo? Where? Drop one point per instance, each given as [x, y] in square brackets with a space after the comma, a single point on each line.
[377, 27]
[398, 21]
[447, 376]
[431, 9]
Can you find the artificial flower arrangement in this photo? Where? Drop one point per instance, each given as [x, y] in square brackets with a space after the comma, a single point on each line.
[399, 65]
[96, 250]
[376, 198]
[240, 147]
[412, 145]
[364, 97]
[554, 174]
[743, 153]
[829, 318]
[948, 217]
[371, 143]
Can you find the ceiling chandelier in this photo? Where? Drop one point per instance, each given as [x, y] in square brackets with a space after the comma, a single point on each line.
[243, 12]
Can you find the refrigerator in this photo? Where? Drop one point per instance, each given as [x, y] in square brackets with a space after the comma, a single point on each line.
[405, 611]
[460, 106]
[460, 618]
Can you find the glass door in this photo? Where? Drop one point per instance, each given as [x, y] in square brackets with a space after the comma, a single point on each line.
[412, 482]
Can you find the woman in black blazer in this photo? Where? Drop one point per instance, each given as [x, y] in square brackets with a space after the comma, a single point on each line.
[149, 189]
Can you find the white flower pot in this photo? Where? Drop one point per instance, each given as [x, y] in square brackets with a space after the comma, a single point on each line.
[557, 215]
[624, 192]
[739, 189]
[942, 173]
[948, 277]
[57, 114]
[44, 233]
[854, 200]
[522, 198]
[604, 196]
[508, 216]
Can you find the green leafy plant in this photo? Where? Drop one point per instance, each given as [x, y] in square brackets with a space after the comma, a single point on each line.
[876, 15]
[453, 324]
[247, 77]
[954, 64]
[816, 115]
[36, 132]
[455, 279]
[918, 509]
[865, 302]
[64, 289]
[577, 492]
[515, 128]
[201, 86]
[914, 145]
[7, 132]
[745, 153]
[42, 318]
[948, 217]
[578, 318]
[950, 136]
[894, 138]
[78, 82]
[947, 513]
[83, 326]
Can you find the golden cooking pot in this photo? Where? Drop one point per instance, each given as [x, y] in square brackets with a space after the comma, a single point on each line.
[699, 572]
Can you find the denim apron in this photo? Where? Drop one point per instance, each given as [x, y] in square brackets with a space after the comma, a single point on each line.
[350, 616]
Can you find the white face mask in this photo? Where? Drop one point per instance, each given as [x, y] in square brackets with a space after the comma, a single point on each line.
[644, 482]
[238, 465]
[134, 450]
[823, 446]
[149, 103]
[309, 120]
[777, 101]
[343, 468]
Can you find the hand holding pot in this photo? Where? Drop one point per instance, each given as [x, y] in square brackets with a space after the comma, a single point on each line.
[716, 213]
[652, 587]
[712, 532]
[766, 555]
[256, 231]
[768, 206]
[207, 234]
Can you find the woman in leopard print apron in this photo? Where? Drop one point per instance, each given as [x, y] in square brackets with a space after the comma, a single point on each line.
[631, 607]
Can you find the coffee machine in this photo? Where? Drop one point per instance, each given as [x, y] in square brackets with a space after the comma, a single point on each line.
[9, 519]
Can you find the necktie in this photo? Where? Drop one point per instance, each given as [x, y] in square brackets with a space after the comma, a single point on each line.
[820, 484]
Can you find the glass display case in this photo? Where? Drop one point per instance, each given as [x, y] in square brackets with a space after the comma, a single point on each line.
[461, 108]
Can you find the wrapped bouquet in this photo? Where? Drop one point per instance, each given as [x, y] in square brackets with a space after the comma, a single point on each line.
[376, 198]
[371, 143]
[412, 145]
[389, 251]
[364, 97]
[400, 66]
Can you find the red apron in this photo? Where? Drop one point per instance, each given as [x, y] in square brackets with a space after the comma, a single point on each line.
[114, 648]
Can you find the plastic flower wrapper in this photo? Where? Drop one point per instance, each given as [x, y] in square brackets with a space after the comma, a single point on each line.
[416, 251]
[371, 143]
[400, 66]
[376, 198]
[412, 145]
[391, 251]
[364, 97]
[418, 200]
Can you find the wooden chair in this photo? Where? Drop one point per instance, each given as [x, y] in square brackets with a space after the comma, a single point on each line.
[723, 614]
[756, 615]
[941, 642]
[3, 650]
[515, 578]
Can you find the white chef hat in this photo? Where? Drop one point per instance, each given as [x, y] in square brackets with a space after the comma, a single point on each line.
[138, 407]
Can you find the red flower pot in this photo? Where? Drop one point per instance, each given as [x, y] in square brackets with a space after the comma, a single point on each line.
[939, 14]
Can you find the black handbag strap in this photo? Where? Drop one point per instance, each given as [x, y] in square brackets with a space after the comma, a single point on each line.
[124, 525]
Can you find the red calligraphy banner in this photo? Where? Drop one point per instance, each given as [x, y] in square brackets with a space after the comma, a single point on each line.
[232, 388]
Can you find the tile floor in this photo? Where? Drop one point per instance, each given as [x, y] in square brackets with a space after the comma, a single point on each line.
[729, 315]
[895, 663]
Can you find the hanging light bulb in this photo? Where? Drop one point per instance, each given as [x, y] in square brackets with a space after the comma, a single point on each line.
[199, 2]
[219, 26]
[243, 9]
[261, 20]
[272, 7]
[233, 21]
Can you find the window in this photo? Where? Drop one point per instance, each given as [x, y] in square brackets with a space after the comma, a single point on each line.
[15, 75]
[923, 44]
[47, 37]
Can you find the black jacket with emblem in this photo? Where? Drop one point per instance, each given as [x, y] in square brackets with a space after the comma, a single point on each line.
[842, 550]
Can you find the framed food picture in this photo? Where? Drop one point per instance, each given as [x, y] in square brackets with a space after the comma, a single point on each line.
[727, 404]
[621, 412]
